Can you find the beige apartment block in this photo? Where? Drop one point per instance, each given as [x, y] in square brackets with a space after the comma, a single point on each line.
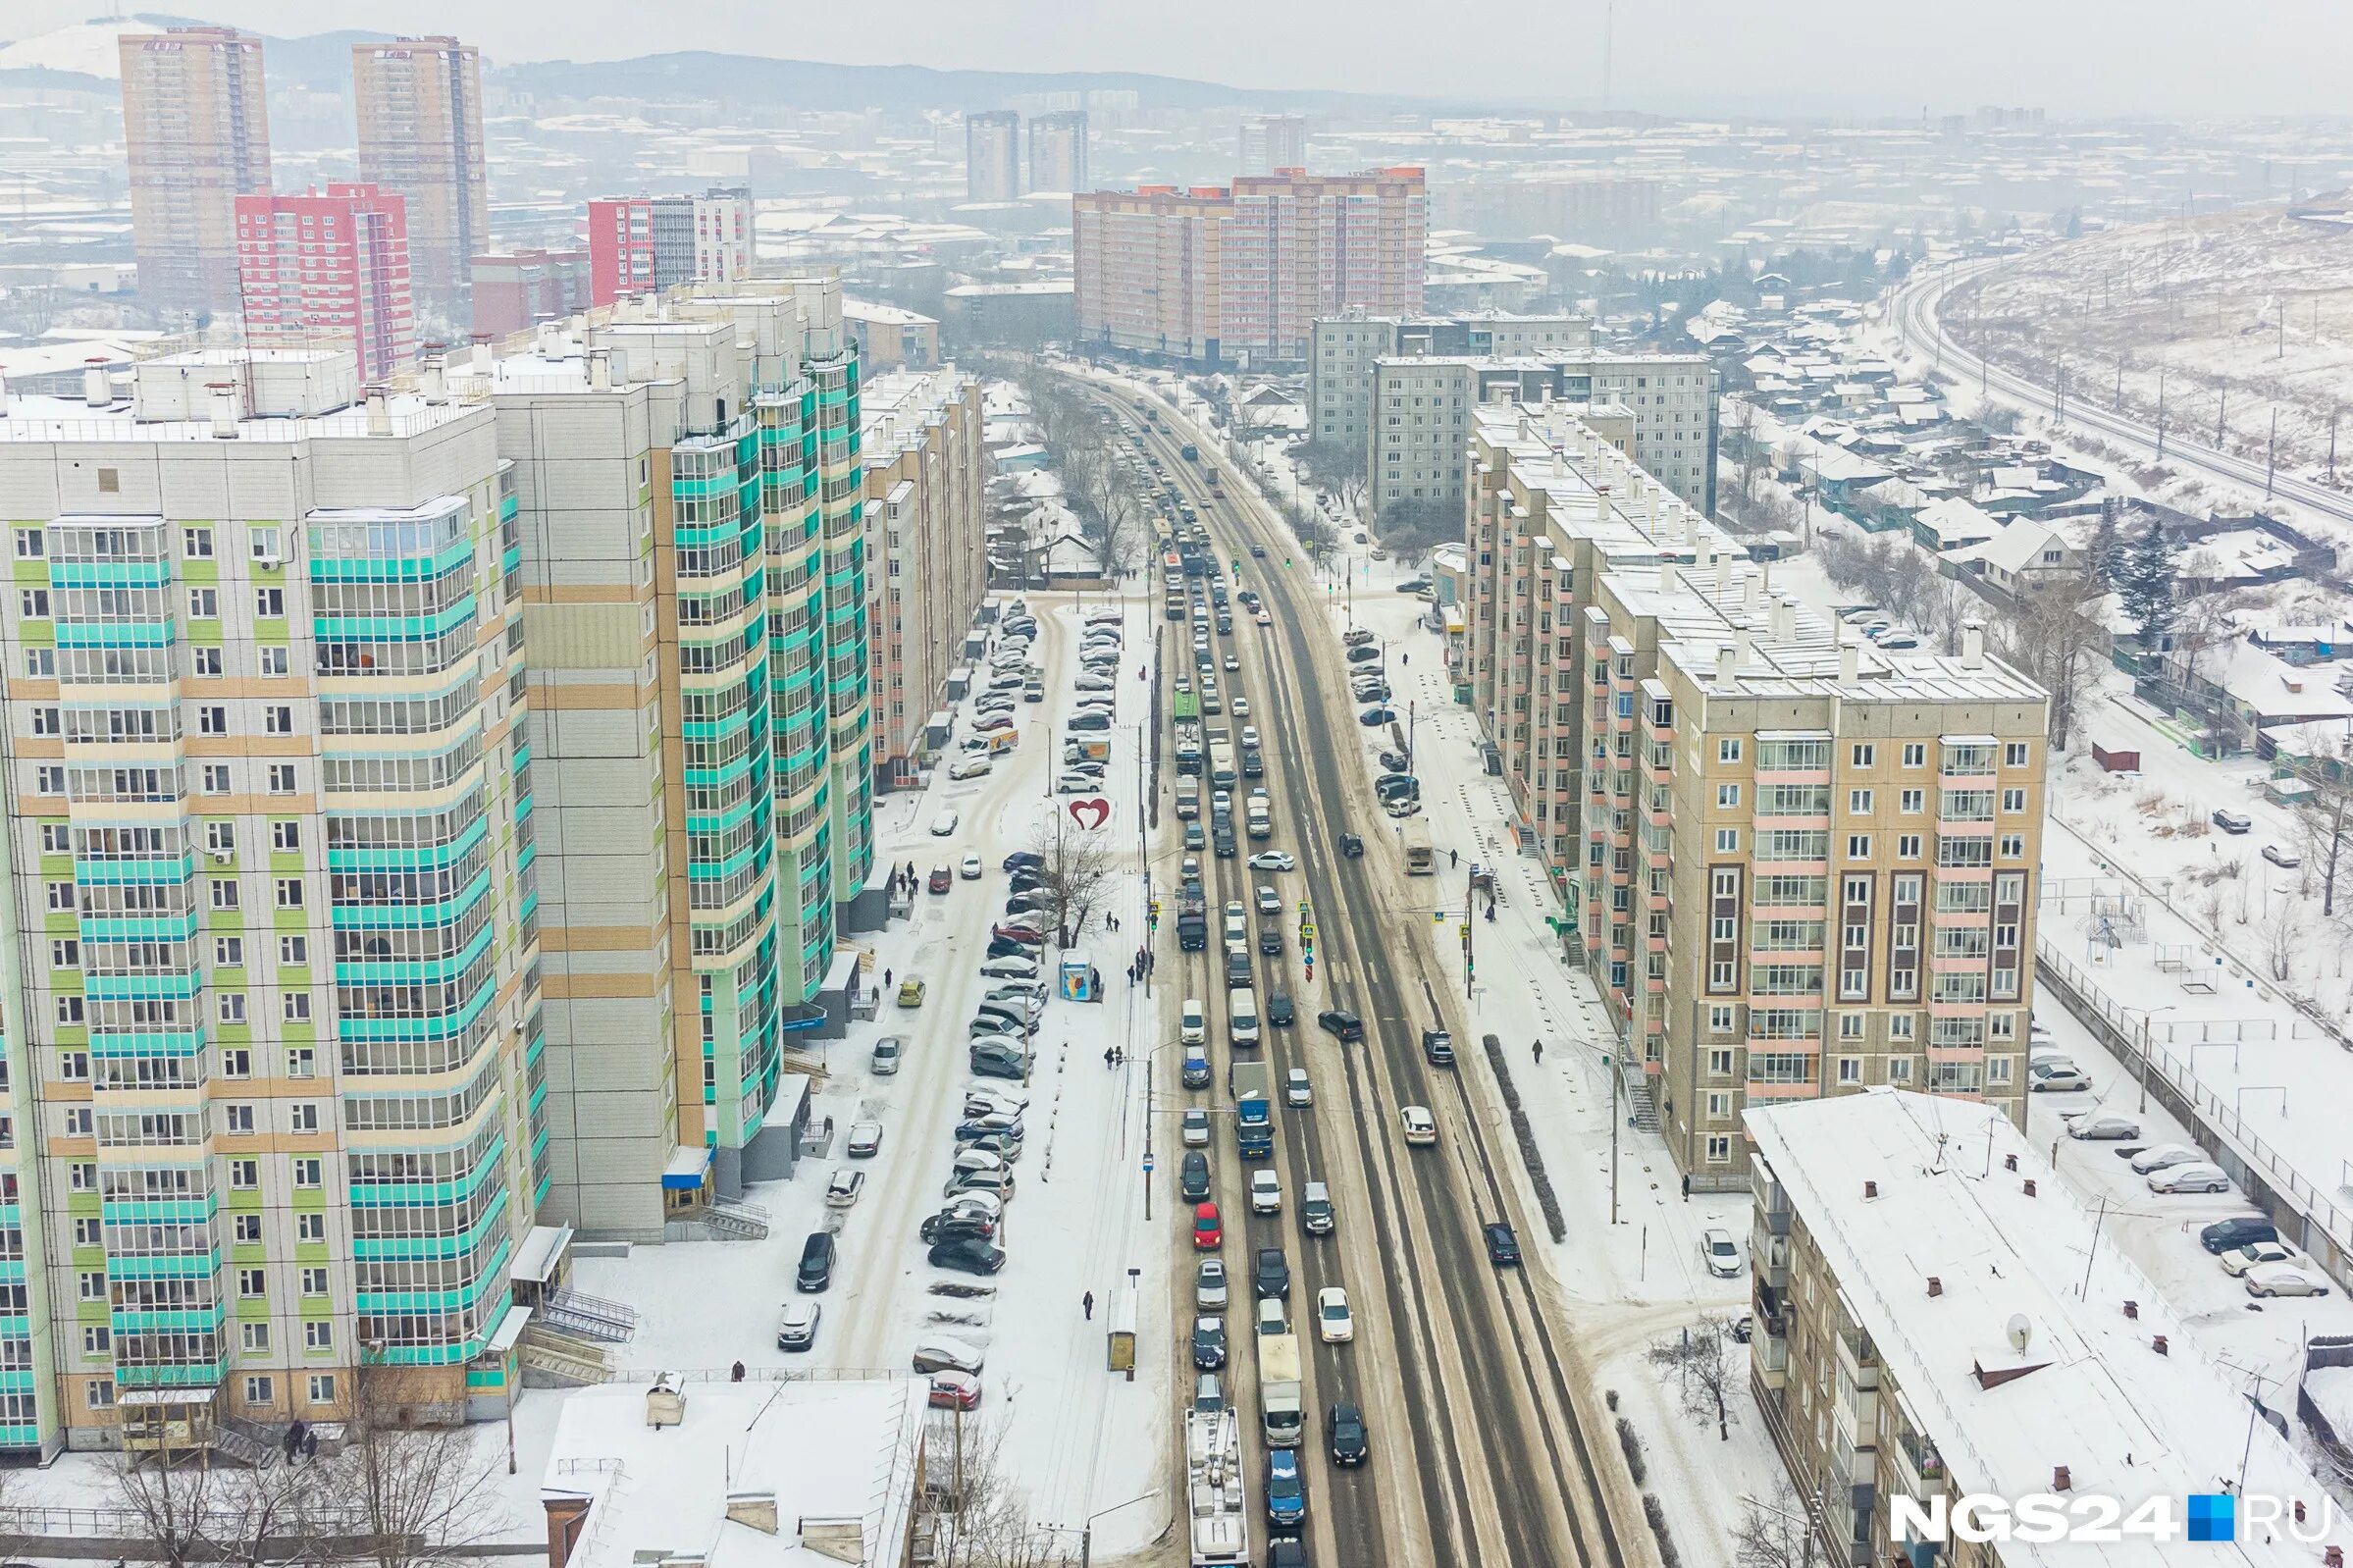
[1342, 349]
[1794, 865]
[196, 132]
[418, 102]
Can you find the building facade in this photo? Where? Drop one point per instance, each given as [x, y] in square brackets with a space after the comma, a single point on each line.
[196, 132]
[891, 338]
[276, 1011]
[1418, 428]
[1058, 151]
[645, 243]
[1272, 143]
[1794, 865]
[1342, 349]
[927, 542]
[992, 155]
[1241, 272]
[320, 267]
[418, 102]
[515, 290]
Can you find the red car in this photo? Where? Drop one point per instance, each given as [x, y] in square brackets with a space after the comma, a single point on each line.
[1209, 1232]
[954, 1391]
[942, 879]
[1030, 935]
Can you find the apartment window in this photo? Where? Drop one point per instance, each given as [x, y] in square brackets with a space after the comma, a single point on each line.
[285, 837]
[305, 1115]
[212, 719]
[282, 778]
[65, 953]
[1997, 1069]
[1858, 846]
[1728, 750]
[245, 1230]
[82, 1175]
[1865, 754]
[215, 779]
[47, 721]
[254, 1339]
[2014, 754]
[2014, 799]
[1908, 846]
[322, 1388]
[310, 1227]
[252, 1282]
[60, 897]
[196, 542]
[290, 892]
[77, 1121]
[314, 1282]
[40, 663]
[236, 1061]
[88, 1232]
[1913, 801]
[278, 719]
[229, 952]
[205, 661]
[1850, 1025]
[2001, 1025]
[273, 660]
[204, 604]
[90, 1285]
[307, 1171]
[1850, 1070]
[259, 1391]
[224, 893]
[31, 545]
[269, 603]
[1858, 803]
[96, 1340]
[1719, 1062]
[294, 1005]
[49, 779]
[1916, 754]
[2014, 846]
[301, 1062]
[1719, 975]
[1719, 1149]
[33, 603]
[101, 1393]
[236, 1118]
[69, 1010]
[1728, 797]
[264, 542]
[1719, 1106]
[57, 838]
[294, 950]
[1728, 840]
[244, 1175]
[73, 1066]
[318, 1334]
[1719, 1019]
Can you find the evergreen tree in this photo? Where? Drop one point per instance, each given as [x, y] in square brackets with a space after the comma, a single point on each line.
[2105, 554]
[2146, 581]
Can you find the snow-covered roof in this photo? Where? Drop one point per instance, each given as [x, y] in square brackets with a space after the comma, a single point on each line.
[2272, 688]
[823, 1451]
[2014, 550]
[2088, 1390]
[1954, 522]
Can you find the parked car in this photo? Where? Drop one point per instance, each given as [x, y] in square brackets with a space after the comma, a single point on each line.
[1723, 1254]
[2057, 1077]
[955, 1226]
[2104, 1128]
[2238, 1260]
[2281, 1280]
[2160, 1156]
[888, 1051]
[954, 1391]
[797, 1325]
[941, 1353]
[842, 1191]
[866, 1139]
[2239, 1230]
[2230, 821]
[816, 1272]
[2191, 1176]
[911, 991]
[2281, 855]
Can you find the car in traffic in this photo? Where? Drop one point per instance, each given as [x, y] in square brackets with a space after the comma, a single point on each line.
[1266, 1192]
[1503, 1244]
[912, 991]
[1209, 1229]
[1421, 1128]
[889, 1051]
[1270, 1274]
[1286, 1492]
[1193, 1176]
[942, 878]
[1344, 1434]
[1335, 1325]
[1272, 860]
[1341, 1025]
[1209, 1344]
[1208, 1285]
[1195, 1128]
[970, 868]
[1297, 1091]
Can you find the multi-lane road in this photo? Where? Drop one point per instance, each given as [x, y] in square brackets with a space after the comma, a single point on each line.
[1913, 310]
[1488, 1444]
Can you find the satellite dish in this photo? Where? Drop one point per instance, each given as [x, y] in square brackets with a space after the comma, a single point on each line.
[2020, 1331]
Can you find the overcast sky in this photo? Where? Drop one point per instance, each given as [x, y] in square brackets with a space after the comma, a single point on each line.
[2077, 57]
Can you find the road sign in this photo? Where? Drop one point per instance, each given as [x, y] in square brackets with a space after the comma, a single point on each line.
[1147, 1164]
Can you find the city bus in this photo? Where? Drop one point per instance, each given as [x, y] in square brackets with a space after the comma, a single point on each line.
[1420, 858]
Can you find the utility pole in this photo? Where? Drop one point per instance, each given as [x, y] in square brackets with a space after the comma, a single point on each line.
[1467, 923]
[1610, 1061]
[2271, 455]
[2119, 397]
[2222, 411]
[2333, 413]
[2160, 370]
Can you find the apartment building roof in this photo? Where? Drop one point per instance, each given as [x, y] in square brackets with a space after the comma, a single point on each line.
[2020, 1342]
[249, 394]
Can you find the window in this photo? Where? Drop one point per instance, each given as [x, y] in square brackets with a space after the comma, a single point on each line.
[1719, 1062]
[245, 1230]
[294, 950]
[2014, 799]
[77, 1121]
[322, 1388]
[49, 779]
[236, 1118]
[254, 1339]
[90, 1285]
[33, 603]
[57, 838]
[236, 1061]
[220, 836]
[1728, 797]
[269, 603]
[290, 892]
[31, 545]
[69, 1010]
[196, 542]
[1908, 846]
[229, 952]
[40, 663]
[1728, 750]
[305, 1114]
[47, 721]
[244, 1175]
[1850, 1070]
[1719, 975]
[307, 1171]
[1719, 1149]
[1997, 1069]
[212, 719]
[232, 1005]
[301, 1062]
[88, 1232]
[60, 897]
[1913, 801]
[1850, 1025]
[101, 1392]
[96, 1340]
[204, 660]
[1859, 801]
[1728, 840]
[1865, 754]
[272, 661]
[264, 542]
[216, 778]
[1858, 846]
[2014, 754]
[314, 1282]
[2014, 846]
[294, 1005]
[1719, 1021]
[2002, 1025]
[318, 1334]
[224, 893]
[310, 1227]
[282, 778]
[204, 604]
[277, 718]
[1916, 754]
[285, 837]
[73, 1066]
[259, 1391]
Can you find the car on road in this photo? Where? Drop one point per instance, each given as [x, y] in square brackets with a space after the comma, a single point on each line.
[1421, 1128]
[1341, 1025]
[2103, 1128]
[2057, 1077]
[889, 1051]
[2158, 1156]
[1208, 1285]
[1271, 1276]
[954, 1391]
[2281, 855]
[1266, 1192]
[1344, 1434]
[941, 879]
[842, 1192]
[1315, 1216]
[1193, 1176]
[1273, 1317]
[1209, 1395]
[1209, 1229]
[816, 1272]
[1335, 1323]
[1273, 860]
[1196, 1068]
[1352, 845]
[966, 767]
[1270, 902]
[2238, 1260]
[1376, 715]
[1297, 1091]
[2233, 823]
[1195, 1129]
[866, 1139]
[2191, 1176]
[2239, 1230]
[911, 991]
[1503, 1244]
[1720, 1251]
[797, 1325]
[1286, 1492]
[2283, 1280]
[1281, 1010]
[970, 868]
[1209, 1344]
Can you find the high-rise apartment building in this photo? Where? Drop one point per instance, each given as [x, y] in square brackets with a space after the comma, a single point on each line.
[515, 290]
[322, 267]
[1340, 355]
[992, 155]
[1214, 271]
[927, 549]
[693, 556]
[1420, 424]
[1272, 143]
[271, 1020]
[639, 245]
[1058, 151]
[419, 106]
[196, 128]
[1792, 864]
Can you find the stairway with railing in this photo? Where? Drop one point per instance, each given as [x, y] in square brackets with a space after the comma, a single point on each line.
[732, 1219]
[586, 1317]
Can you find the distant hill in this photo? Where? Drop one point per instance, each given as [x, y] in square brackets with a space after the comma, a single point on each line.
[85, 57]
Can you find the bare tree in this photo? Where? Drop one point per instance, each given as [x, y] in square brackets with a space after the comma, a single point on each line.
[2326, 814]
[1077, 865]
[1703, 1368]
[988, 1523]
[180, 1501]
[2049, 633]
[421, 1492]
[2284, 936]
[1342, 467]
[1776, 1534]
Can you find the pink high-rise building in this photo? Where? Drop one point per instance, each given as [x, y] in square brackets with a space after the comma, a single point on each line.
[320, 268]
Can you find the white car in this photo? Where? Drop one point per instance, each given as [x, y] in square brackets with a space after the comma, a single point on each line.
[970, 868]
[1195, 1133]
[866, 1139]
[2158, 1156]
[2104, 1128]
[976, 766]
[2239, 1260]
[797, 1325]
[1721, 1251]
[2279, 1280]
[1421, 1128]
[2191, 1176]
[1297, 1090]
[842, 1191]
[1266, 1192]
[1335, 1325]
[1272, 860]
[1242, 708]
[2053, 1077]
[1209, 1286]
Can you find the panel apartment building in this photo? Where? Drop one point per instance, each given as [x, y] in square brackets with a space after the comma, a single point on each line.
[418, 102]
[1794, 865]
[992, 155]
[321, 268]
[1231, 272]
[273, 1021]
[692, 520]
[196, 132]
[639, 245]
[1340, 356]
[926, 550]
[1937, 1316]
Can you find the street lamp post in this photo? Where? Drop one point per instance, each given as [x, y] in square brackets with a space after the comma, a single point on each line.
[1086, 1530]
[2147, 1014]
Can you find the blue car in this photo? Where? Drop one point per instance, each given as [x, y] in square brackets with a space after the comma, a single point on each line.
[1196, 1068]
[1287, 1495]
[1376, 715]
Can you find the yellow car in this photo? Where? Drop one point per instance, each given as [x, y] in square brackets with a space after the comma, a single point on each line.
[911, 993]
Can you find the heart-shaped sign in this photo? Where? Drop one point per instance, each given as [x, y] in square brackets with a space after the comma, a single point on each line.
[1091, 811]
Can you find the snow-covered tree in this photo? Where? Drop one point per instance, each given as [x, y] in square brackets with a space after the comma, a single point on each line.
[2146, 577]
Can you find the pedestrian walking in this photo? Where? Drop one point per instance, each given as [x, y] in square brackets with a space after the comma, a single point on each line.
[310, 1447]
[1404, 658]
[886, 979]
[1540, 1050]
[1107, 1056]
[1491, 913]
[1687, 1187]
[1453, 858]
[1087, 1304]
[735, 1374]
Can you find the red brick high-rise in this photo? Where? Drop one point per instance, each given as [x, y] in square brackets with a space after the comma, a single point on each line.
[330, 267]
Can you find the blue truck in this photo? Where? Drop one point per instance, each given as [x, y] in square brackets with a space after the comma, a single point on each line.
[1254, 1109]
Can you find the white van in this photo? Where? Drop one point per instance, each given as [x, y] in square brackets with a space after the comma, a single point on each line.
[1192, 1027]
[1242, 1007]
[943, 825]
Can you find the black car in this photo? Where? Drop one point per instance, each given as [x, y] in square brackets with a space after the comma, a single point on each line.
[968, 1255]
[2239, 1230]
[1352, 847]
[1438, 1047]
[1503, 1244]
[817, 1262]
[1286, 1551]
[1364, 652]
[1209, 1344]
[1279, 1010]
[1395, 761]
[1273, 1276]
[1345, 1426]
[1258, 552]
[1192, 1178]
[1341, 1025]
[957, 1227]
[1005, 947]
[1021, 857]
[1270, 939]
